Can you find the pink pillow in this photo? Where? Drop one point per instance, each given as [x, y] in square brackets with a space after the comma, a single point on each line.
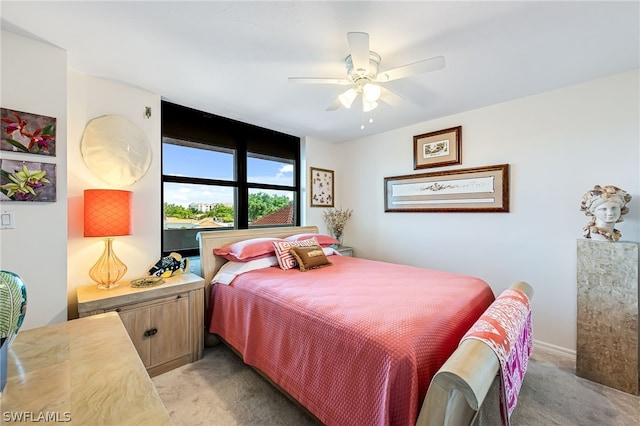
[244, 251]
[286, 259]
[323, 240]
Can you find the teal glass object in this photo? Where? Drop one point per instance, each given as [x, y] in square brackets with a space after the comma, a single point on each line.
[13, 306]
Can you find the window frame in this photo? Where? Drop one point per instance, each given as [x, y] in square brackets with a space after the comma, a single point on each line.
[186, 124]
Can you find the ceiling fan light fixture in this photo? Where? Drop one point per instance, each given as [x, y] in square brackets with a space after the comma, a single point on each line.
[371, 92]
[368, 106]
[363, 66]
[347, 98]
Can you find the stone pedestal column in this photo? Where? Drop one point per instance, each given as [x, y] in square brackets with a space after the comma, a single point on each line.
[607, 335]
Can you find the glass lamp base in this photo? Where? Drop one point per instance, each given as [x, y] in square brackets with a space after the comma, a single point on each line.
[107, 286]
[108, 270]
[338, 236]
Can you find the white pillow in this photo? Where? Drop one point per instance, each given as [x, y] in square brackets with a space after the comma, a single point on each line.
[329, 251]
[231, 269]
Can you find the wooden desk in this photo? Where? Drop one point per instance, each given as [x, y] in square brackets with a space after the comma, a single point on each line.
[83, 372]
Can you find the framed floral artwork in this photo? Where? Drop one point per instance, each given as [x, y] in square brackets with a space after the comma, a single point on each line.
[321, 187]
[27, 181]
[27, 133]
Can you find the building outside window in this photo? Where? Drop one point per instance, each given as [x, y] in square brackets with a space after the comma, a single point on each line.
[221, 174]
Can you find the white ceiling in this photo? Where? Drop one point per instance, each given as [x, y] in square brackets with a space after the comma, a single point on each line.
[233, 58]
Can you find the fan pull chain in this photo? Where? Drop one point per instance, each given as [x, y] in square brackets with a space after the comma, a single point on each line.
[362, 121]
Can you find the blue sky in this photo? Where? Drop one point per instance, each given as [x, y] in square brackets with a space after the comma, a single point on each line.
[184, 161]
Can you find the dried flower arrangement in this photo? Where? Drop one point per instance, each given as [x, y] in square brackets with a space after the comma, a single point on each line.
[335, 219]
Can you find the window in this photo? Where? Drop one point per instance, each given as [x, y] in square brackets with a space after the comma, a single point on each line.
[219, 174]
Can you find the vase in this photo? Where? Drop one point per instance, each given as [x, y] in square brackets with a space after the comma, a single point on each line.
[338, 236]
[13, 298]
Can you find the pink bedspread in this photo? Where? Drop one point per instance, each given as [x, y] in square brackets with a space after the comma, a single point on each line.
[356, 343]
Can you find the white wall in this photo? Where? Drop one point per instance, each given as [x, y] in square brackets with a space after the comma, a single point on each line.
[34, 80]
[90, 97]
[559, 145]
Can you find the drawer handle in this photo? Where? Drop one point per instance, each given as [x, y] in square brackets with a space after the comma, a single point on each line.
[179, 296]
[150, 332]
[118, 309]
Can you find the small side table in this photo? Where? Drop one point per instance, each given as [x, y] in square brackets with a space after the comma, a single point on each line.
[345, 251]
[165, 322]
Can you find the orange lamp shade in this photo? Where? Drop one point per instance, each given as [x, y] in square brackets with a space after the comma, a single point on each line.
[107, 212]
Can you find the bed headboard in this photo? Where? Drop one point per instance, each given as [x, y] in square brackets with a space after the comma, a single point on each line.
[210, 263]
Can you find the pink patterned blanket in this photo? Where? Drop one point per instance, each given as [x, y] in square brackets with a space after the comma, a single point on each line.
[506, 328]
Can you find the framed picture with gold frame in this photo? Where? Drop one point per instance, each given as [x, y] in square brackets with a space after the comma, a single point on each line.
[321, 194]
[436, 149]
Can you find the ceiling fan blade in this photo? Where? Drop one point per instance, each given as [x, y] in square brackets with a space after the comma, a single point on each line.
[426, 65]
[313, 80]
[359, 48]
[389, 97]
[335, 105]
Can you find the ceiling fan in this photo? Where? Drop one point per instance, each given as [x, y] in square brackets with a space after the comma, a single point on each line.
[364, 77]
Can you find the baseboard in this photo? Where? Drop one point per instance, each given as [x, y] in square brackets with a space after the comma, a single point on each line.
[554, 349]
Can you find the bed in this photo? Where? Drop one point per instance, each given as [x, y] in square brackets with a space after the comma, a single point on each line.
[357, 342]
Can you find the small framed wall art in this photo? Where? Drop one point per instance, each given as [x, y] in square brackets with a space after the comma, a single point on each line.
[479, 189]
[27, 133]
[321, 187]
[435, 149]
[27, 181]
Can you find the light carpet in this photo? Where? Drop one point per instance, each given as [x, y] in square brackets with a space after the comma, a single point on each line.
[221, 390]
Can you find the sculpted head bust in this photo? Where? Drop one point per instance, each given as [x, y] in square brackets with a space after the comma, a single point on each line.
[606, 205]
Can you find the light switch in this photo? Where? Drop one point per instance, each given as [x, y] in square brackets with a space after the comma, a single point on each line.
[6, 219]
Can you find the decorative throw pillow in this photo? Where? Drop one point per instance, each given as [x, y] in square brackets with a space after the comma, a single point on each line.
[310, 257]
[244, 251]
[323, 240]
[286, 259]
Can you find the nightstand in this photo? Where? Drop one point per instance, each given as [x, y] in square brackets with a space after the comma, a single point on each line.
[345, 251]
[165, 322]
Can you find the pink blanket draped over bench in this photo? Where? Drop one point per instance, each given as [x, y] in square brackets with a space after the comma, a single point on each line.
[506, 328]
[356, 343]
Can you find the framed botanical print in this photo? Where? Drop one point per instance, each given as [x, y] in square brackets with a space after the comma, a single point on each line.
[321, 187]
[435, 149]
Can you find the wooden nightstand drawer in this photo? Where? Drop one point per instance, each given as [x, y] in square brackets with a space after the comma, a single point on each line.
[165, 322]
[159, 300]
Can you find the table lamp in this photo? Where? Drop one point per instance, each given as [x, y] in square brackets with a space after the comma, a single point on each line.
[107, 213]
